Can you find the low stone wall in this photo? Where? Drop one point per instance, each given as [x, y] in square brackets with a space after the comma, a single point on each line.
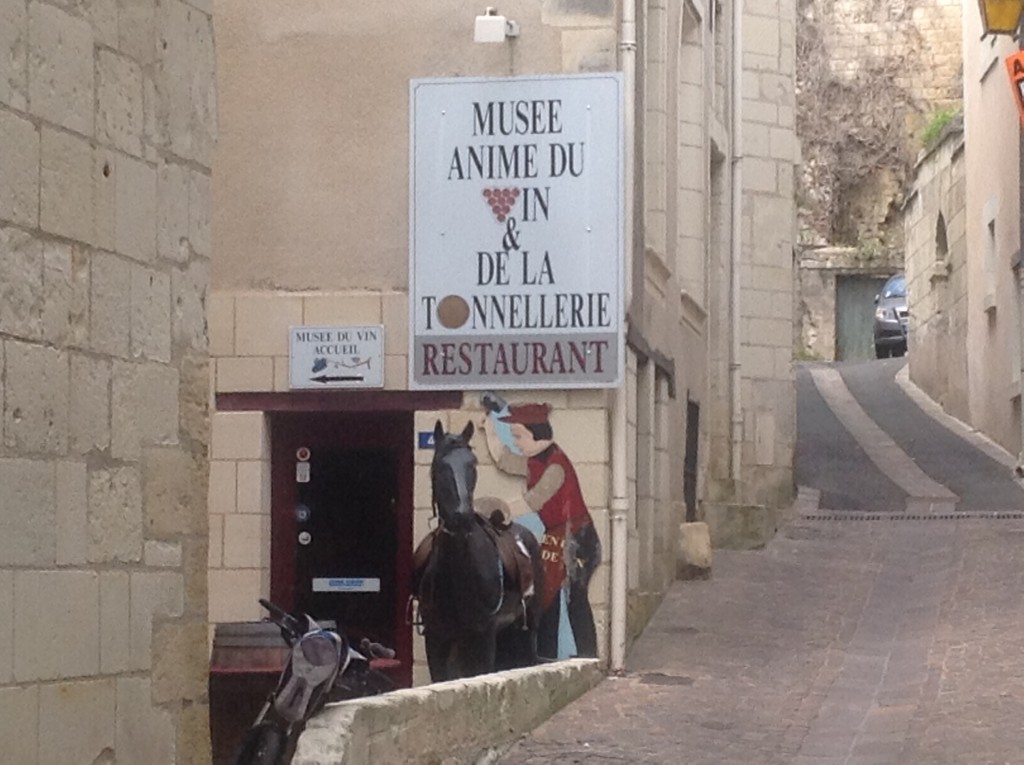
[454, 722]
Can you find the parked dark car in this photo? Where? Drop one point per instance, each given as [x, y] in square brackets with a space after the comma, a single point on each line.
[891, 318]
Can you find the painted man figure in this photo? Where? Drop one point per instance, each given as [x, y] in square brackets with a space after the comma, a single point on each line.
[570, 548]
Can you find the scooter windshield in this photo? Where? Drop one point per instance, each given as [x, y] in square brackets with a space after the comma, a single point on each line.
[319, 649]
[315, 661]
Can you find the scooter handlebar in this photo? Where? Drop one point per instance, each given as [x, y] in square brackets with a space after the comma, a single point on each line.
[282, 618]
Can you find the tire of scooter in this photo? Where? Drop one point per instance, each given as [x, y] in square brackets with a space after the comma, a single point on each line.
[262, 745]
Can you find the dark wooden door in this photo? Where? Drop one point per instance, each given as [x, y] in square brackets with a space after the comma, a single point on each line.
[342, 522]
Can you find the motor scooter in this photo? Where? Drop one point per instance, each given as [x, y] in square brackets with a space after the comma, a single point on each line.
[321, 667]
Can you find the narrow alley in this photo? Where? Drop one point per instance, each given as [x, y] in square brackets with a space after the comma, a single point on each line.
[881, 624]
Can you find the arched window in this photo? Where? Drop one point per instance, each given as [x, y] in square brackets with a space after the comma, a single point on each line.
[941, 244]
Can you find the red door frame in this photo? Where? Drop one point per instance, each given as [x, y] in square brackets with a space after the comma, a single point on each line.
[392, 431]
[360, 419]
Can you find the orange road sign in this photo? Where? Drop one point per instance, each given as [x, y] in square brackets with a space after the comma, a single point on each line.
[1015, 68]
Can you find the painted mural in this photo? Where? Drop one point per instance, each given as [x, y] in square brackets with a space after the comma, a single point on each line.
[522, 443]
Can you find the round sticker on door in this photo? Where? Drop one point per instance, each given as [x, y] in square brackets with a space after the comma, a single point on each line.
[302, 454]
[305, 538]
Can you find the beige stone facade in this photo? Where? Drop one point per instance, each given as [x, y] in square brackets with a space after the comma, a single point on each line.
[974, 289]
[106, 135]
[937, 274]
[768, 234]
[310, 195]
[750, 469]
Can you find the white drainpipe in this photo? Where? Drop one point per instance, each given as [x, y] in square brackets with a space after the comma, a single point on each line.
[619, 435]
[736, 245]
[1019, 469]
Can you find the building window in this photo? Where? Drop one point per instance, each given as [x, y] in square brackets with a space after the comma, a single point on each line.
[690, 460]
[991, 258]
[941, 243]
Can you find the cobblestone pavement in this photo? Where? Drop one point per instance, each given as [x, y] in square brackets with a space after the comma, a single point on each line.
[841, 643]
[853, 638]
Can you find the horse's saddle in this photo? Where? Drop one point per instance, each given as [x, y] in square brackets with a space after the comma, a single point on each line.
[515, 558]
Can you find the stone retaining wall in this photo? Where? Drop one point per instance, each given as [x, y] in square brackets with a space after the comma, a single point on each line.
[453, 722]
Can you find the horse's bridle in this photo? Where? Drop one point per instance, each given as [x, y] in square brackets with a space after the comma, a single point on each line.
[460, 479]
[463, 496]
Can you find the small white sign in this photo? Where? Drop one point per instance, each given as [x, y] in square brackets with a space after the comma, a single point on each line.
[301, 472]
[346, 584]
[336, 357]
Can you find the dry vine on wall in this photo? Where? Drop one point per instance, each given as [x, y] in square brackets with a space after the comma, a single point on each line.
[857, 154]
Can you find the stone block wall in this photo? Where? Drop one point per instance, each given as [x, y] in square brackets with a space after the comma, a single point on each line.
[106, 132]
[249, 333]
[936, 269]
[239, 505]
[882, 72]
[768, 235]
[925, 35]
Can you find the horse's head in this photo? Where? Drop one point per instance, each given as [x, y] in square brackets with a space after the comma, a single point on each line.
[453, 476]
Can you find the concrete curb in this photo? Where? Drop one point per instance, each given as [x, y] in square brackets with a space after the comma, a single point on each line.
[932, 408]
[923, 492]
[461, 721]
[806, 503]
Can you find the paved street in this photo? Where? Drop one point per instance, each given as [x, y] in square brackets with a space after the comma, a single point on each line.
[884, 625]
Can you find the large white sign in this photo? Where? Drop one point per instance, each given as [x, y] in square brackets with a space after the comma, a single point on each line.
[336, 357]
[516, 234]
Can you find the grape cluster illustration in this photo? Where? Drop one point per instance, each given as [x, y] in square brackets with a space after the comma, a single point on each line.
[501, 201]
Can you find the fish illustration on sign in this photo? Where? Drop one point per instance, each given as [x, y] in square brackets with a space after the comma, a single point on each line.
[321, 364]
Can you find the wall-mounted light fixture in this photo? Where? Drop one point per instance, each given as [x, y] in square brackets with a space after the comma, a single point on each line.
[1000, 17]
[492, 28]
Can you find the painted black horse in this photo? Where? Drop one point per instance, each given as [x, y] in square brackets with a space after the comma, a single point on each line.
[475, 577]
